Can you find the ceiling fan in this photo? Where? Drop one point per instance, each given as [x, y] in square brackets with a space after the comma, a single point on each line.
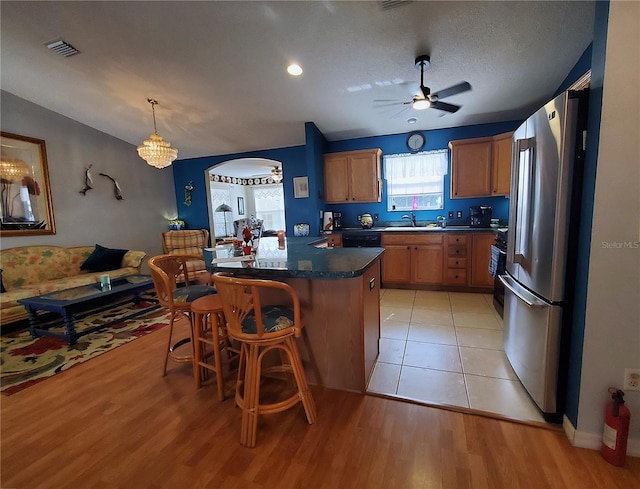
[425, 99]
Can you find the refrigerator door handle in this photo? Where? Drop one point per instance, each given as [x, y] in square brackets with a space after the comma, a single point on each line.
[525, 296]
[524, 176]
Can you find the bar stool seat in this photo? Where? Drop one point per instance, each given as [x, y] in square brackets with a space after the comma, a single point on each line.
[210, 338]
[261, 330]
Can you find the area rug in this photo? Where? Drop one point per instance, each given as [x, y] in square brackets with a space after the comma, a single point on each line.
[25, 361]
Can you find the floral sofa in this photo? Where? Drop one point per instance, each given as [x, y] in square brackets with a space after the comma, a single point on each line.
[28, 271]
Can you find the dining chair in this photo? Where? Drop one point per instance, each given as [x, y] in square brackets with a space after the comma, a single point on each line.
[176, 291]
[261, 329]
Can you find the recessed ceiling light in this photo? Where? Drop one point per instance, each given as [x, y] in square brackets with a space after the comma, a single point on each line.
[294, 70]
[412, 120]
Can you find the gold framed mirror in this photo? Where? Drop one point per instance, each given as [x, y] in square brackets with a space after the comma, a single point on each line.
[25, 194]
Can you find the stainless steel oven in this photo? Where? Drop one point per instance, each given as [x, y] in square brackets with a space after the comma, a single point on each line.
[499, 254]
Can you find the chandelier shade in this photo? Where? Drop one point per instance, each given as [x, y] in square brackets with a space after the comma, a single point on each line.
[155, 151]
[276, 174]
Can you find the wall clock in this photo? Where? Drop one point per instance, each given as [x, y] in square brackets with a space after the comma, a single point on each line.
[415, 141]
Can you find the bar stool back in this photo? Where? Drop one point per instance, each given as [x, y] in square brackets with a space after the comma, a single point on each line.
[176, 292]
[261, 329]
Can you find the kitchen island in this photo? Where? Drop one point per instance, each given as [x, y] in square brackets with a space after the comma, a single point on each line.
[339, 291]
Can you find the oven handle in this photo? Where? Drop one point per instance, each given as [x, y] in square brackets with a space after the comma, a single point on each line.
[528, 298]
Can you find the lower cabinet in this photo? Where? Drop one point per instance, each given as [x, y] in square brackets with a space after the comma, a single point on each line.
[412, 259]
[334, 240]
[457, 264]
[448, 260]
[481, 253]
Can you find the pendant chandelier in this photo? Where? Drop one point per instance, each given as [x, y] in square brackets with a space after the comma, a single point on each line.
[276, 174]
[155, 151]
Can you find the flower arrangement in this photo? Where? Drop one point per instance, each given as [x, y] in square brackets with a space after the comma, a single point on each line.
[247, 236]
[176, 224]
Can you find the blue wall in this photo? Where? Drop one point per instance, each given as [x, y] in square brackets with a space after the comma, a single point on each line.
[598, 52]
[195, 169]
[435, 139]
[308, 161]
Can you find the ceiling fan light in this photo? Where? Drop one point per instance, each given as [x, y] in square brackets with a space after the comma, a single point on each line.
[421, 104]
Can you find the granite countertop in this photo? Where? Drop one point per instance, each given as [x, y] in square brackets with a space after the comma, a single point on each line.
[418, 229]
[299, 259]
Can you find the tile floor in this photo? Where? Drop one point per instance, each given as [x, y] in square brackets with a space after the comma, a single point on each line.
[446, 348]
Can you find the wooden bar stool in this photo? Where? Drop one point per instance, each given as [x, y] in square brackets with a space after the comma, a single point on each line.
[210, 330]
[261, 329]
[176, 292]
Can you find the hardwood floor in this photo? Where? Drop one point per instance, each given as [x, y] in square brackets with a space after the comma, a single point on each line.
[115, 422]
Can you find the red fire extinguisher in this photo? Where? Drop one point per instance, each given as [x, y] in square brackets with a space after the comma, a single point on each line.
[616, 429]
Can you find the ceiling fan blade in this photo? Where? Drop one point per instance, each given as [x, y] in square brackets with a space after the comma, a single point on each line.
[444, 106]
[454, 90]
[399, 113]
[389, 104]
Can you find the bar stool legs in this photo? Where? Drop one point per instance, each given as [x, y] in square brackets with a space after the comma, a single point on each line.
[248, 386]
[209, 329]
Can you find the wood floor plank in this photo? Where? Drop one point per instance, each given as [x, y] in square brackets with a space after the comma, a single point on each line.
[115, 423]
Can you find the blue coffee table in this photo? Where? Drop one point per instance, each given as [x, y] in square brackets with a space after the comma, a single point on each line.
[79, 302]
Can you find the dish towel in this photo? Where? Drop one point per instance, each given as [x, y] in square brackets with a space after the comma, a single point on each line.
[493, 263]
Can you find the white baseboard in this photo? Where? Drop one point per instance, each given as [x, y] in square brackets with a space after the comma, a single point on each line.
[582, 439]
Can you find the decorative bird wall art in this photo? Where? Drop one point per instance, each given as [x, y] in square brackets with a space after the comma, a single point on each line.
[117, 192]
[87, 180]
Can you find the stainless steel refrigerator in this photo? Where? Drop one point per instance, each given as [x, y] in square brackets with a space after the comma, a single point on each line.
[547, 153]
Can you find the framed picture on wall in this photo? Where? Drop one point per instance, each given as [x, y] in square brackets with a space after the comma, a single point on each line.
[26, 195]
[241, 206]
[301, 187]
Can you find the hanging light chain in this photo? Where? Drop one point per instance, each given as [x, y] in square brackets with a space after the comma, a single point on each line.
[153, 103]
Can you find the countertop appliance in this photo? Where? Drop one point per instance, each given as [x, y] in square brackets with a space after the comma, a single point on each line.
[337, 220]
[361, 239]
[540, 267]
[480, 216]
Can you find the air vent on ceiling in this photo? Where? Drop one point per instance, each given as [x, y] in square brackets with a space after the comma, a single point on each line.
[62, 48]
[389, 4]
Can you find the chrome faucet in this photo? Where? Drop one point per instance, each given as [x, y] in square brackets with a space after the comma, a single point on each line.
[412, 217]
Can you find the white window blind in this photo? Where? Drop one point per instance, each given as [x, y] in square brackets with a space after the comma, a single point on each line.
[416, 181]
[269, 202]
[221, 196]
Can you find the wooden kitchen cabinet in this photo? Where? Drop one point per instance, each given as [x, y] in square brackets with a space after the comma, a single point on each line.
[412, 259]
[352, 176]
[470, 168]
[501, 164]
[457, 247]
[334, 240]
[481, 256]
[481, 167]
[396, 262]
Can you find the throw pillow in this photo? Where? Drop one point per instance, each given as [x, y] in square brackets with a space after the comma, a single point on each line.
[103, 259]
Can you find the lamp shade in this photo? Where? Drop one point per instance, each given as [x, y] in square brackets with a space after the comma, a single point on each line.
[223, 208]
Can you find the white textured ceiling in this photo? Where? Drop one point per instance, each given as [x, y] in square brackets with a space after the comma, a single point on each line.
[218, 68]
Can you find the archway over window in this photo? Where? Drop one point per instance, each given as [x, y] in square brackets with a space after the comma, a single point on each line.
[244, 184]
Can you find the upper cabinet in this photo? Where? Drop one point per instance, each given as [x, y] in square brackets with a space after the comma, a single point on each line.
[481, 167]
[352, 176]
[501, 160]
